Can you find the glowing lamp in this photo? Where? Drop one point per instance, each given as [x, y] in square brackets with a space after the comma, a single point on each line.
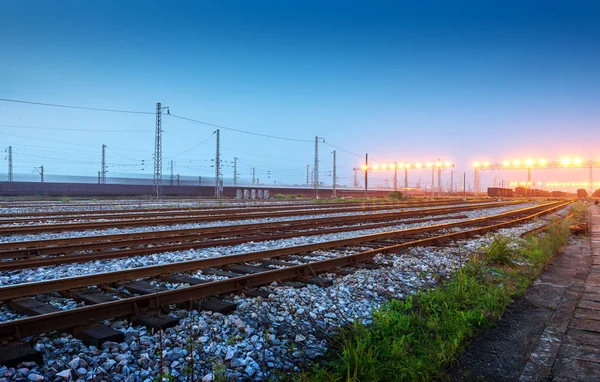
[375, 167]
[407, 165]
[529, 162]
[384, 166]
[447, 164]
[506, 163]
[486, 164]
[392, 166]
[418, 165]
[577, 161]
[565, 161]
[364, 166]
[543, 162]
[428, 164]
[516, 163]
[476, 164]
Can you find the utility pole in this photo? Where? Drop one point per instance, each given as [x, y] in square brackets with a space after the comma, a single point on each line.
[171, 179]
[405, 177]
[178, 179]
[366, 176]
[157, 187]
[451, 182]
[395, 176]
[308, 175]
[98, 177]
[464, 186]
[475, 182]
[253, 175]
[439, 167]
[218, 166]
[334, 176]
[432, 183]
[355, 178]
[40, 170]
[10, 164]
[103, 166]
[199, 180]
[235, 174]
[316, 169]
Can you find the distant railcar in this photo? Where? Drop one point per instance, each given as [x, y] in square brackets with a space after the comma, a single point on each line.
[499, 192]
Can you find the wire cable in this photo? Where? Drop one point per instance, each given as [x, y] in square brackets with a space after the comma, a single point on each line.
[240, 131]
[76, 107]
[65, 129]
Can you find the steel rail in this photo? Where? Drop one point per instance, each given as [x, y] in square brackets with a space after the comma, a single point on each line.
[133, 306]
[30, 289]
[101, 214]
[26, 229]
[130, 252]
[66, 245]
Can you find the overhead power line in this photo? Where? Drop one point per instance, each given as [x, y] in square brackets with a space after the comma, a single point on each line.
[65, 129]
[240, 131]
[76, 107]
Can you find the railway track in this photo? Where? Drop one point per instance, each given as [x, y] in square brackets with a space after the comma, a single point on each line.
[6, 230]
[174, 211]
[245, 271]
[213, 212]
[37, 253]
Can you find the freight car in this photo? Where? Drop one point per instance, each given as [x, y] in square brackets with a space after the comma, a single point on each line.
[499, 192]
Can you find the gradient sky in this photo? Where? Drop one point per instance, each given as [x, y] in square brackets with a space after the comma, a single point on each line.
[404, 81]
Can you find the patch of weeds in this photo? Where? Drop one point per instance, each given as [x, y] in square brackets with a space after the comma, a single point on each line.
[418, 338]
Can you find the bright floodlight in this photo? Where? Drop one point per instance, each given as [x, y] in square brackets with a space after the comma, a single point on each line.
[539, 183]
[447, 164]
[383, 166]
[375, 167]
[516, 163]
[543, 162]
[565, 161]
[506, 163]
[529, 162]
[476, 164]
[418, 165]
[428, 164]
[486, 164]
[364, 166]
[407, 165]
[577, 161]
[392, 166]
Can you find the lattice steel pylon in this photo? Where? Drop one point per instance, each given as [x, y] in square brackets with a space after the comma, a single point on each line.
[316, 169]
[103, 166]
[10, 164]
[157, 186]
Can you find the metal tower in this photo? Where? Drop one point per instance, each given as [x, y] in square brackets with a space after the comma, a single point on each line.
[218, 166]
[395, 176]
[334, 177]
[103, 166]
[10, 164]
[316, 169]
[235, 174]
[40, 170]
[307, 174]
[366, 176]
[157, 188]
[171, 180]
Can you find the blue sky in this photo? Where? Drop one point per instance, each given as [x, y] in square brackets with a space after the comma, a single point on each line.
[403, 81]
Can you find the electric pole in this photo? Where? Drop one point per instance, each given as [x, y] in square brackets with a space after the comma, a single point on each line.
[178, 179]
[253, 175]
[10, 164]
[157, 186]
[451, 182]
[355, 178]
[171, 179]
[40, 170]
[218, 166]
[103, 166]
[405, 177]
[235, 174]
[395, 176]
[316, 169]
[366, 176]
[308, 175]
[334, 176]
[432, 183]
[439, 166]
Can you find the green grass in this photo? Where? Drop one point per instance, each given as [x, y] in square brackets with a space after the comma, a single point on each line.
[419, 338]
